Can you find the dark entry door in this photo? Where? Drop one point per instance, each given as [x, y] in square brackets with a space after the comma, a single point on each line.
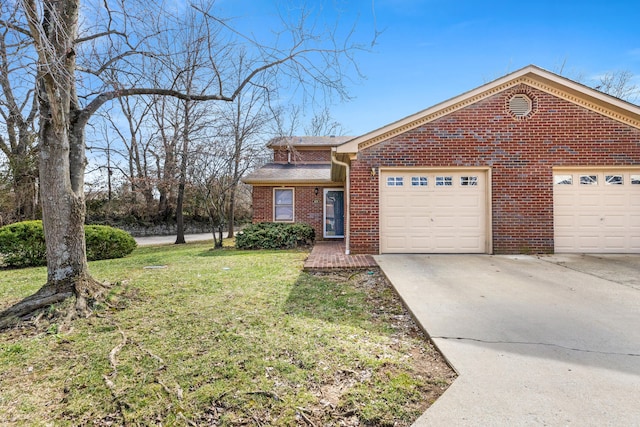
[333, 213]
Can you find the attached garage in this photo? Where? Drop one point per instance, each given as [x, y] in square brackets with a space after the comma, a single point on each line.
[597, 210]
[475, 173]
[434, 211]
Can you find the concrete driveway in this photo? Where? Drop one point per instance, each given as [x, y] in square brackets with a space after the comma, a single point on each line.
[550, 340]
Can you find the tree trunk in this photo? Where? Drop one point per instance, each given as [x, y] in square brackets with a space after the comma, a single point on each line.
[166, 179]
[62, 196]
[184, 162]
[179, 214]
[231, 219]
[62, 166]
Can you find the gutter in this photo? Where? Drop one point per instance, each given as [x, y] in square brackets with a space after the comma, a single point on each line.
[347, 240]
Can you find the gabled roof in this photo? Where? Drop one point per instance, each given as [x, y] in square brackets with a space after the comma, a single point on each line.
[290, 174]
[308, 141]
[531, 75]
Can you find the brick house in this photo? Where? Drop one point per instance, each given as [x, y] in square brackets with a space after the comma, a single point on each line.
[297, 185]
[529, 163]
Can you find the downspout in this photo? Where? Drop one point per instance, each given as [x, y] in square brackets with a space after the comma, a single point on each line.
[347, 242]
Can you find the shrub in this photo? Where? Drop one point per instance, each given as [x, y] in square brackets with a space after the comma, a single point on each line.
[22, 244]
[104, 242]
[275, 235]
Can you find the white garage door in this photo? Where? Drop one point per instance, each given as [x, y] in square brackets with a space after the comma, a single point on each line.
[597, 211]
[423, 211]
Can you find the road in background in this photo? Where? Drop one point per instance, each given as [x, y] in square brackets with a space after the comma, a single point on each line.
[165, 240]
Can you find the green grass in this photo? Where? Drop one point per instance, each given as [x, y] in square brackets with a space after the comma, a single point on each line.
[220, 338]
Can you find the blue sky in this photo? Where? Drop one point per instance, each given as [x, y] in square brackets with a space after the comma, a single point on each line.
[432, 50]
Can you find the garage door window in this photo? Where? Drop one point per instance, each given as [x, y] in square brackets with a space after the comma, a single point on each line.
[614, 179]
[588, 179]
[635, 179]
[419, 181]
[468, 181]
[444, 181]
[563, 179]
[395, 181]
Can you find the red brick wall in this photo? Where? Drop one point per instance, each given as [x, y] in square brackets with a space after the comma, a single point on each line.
[520, 152]
[280, 156]
[302, 156]
[262, 198]
[308, 206]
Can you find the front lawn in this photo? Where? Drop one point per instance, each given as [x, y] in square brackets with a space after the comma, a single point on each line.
[192, 336]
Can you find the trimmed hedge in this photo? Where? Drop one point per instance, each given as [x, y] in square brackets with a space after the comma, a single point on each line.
[22, 244]
[275, 235]
[104, 242]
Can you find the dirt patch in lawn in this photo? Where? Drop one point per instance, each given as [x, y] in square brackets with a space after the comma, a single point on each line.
[428, 367]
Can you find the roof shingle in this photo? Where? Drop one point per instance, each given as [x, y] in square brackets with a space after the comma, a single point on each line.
[280, 173]
[309, 141]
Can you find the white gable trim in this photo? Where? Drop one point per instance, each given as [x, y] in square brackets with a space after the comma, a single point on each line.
[531, 75]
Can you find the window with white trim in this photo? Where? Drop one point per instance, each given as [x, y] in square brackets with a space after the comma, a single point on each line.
[395, 181]
[283, 204]
[563, 179]
[614, 179]
[419, 181]
[445, 181]
[468, 181]
[588, 179]
[635, 179]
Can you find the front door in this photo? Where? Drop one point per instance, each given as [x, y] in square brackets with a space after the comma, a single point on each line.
[333, 213]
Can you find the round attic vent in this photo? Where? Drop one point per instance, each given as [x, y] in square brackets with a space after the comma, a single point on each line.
[520, 105]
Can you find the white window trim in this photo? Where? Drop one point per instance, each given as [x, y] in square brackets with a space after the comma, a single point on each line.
[444, 181]
[293, 206]
[395, 181]
[468, 180]
[418, 181]
[609, 181]
[562, 179]
[590, 179]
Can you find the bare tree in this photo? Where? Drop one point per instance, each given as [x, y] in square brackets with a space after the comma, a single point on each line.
[242, 125]
[188, 79]
[210, 175]
[619, 84]
[115, 35]
[18, 114]
[248, 123]
[165, 153]
[135, 141]
[322, 124]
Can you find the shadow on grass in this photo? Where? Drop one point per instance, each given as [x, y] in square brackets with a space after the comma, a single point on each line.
[327, 300]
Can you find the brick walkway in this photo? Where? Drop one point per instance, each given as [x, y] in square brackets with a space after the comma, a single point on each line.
[329, 254]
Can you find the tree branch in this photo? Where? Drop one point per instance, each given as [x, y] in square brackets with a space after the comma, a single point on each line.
[15, 27]
[113, 60]
[98, 35]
